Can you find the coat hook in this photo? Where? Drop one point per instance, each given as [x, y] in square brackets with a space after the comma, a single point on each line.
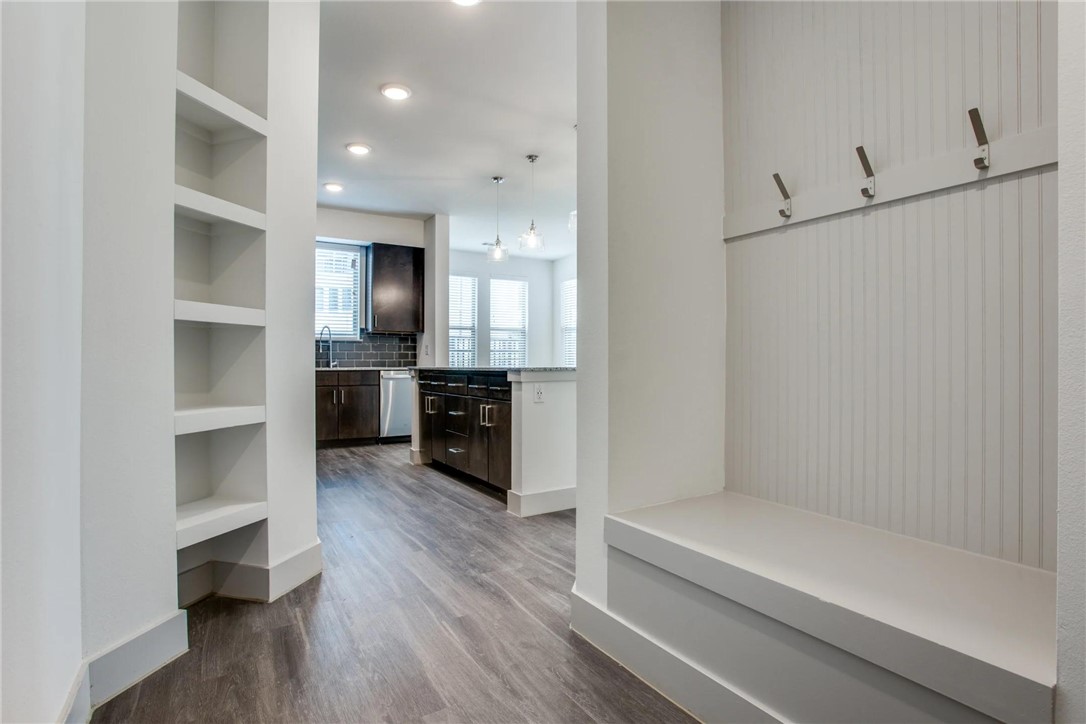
[868, 191]
[785, 212]
[983, 160]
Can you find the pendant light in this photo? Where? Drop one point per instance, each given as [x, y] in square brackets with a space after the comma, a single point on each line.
[497, 252]
[532, 239]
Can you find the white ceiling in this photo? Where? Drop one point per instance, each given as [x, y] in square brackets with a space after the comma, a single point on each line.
[490, 84]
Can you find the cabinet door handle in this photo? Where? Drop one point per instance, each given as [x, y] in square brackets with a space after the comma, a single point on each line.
[426, 404]
[333, 397]
[482, 415]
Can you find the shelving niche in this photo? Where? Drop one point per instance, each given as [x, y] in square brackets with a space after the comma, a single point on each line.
[219, 276]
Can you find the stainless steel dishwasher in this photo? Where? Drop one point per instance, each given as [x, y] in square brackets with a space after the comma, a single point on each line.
[395, 403]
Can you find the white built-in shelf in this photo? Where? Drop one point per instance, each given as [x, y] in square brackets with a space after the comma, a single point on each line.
[188, 420]
[205, 313]
[205, 107]
[977, 629]
[211, 210]
[208, 517]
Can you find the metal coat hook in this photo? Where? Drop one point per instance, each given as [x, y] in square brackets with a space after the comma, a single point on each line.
[785, 212]
[983, 160]
[868, 191]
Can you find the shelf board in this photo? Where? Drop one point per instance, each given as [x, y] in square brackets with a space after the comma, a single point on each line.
[208, 517]
[209, 209]
[206, 313]
[215, 417]
[205, 107]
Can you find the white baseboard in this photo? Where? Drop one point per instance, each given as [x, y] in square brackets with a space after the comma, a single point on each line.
[112, 672]
[545, 501]
[249, 583]
[291, 571]
[77, 709]
[680, 680]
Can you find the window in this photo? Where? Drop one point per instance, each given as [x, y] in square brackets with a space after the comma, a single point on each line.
[508, 323]
[462, 315]
[339, 277]
[568, 301]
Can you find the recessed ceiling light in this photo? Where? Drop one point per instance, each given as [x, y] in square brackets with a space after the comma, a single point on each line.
[466, 3]
[395, 92]
[333, 187]
[358, 149]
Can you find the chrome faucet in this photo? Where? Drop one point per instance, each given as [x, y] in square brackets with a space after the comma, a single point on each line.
[320, 339]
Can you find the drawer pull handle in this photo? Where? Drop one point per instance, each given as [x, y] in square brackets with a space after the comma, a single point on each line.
[456, 413]
[456, 450]
[438, 383]
[477, 387]
[500, 389]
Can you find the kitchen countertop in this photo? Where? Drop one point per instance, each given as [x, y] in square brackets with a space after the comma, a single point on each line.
[361, 369]
[493, 369]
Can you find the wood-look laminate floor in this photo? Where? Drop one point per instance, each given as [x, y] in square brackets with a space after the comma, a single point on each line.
[435, 605]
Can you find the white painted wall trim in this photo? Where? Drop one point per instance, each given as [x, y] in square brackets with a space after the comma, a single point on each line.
[677, 678]
[295, 569]
[1008, 155]
[77, 709]
[143, 653]
[540, 502]
[249, 582]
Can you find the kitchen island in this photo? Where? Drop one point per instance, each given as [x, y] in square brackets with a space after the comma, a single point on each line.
[513, 429]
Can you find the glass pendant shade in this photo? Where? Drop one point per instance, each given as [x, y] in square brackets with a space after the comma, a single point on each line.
[532, 239]
[496, 252]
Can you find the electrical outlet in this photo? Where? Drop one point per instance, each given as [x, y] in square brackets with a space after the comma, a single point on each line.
[538, 392]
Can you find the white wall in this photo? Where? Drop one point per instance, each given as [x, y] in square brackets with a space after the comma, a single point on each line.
[895, 366]
[564, 270]
[433, 345]
[294, 36]
[650, 264]
[538, 273]
[42, 228]
[376, 228]
[1071, 566]
[129, 576]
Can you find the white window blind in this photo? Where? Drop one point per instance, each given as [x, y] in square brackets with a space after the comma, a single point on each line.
[508, 323]
[568, 301]
[339, 277]
[463, 299]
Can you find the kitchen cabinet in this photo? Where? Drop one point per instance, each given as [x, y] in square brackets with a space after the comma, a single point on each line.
[499, 429]
[348, 405]
[395, 288]
[466, 423]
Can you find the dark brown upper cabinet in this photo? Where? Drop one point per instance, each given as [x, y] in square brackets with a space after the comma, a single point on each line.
[396, 276]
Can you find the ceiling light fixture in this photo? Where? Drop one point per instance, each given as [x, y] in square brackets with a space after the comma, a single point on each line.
[532, 239]
[333, 187]
[495, 251]
[466, 3]
[359, 149]
[395, 92]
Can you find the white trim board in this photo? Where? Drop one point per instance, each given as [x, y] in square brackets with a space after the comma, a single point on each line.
[544, 501]
[1008, 155]
[668, 672]
[248, 582]
[115, 670]
[77, 709]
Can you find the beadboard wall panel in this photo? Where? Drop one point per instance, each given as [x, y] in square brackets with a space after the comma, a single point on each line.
[894, 366]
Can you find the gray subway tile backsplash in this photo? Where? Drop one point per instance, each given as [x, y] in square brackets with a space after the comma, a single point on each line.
[372, 350]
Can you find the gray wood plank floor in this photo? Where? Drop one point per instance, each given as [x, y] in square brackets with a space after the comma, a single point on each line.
[435, 605]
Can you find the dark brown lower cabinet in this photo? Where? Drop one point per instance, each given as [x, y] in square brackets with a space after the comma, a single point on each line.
[499, 426]
[467, 424]
[327, 414]
[348, 405]
[359, 411]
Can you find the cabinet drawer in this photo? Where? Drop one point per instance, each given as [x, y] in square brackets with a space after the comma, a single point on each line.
[456, 384]
[327, 378]
[432, 382]
[457, 453]
[478, 386]
[500, 389]
[457, 415]
[359, 377]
